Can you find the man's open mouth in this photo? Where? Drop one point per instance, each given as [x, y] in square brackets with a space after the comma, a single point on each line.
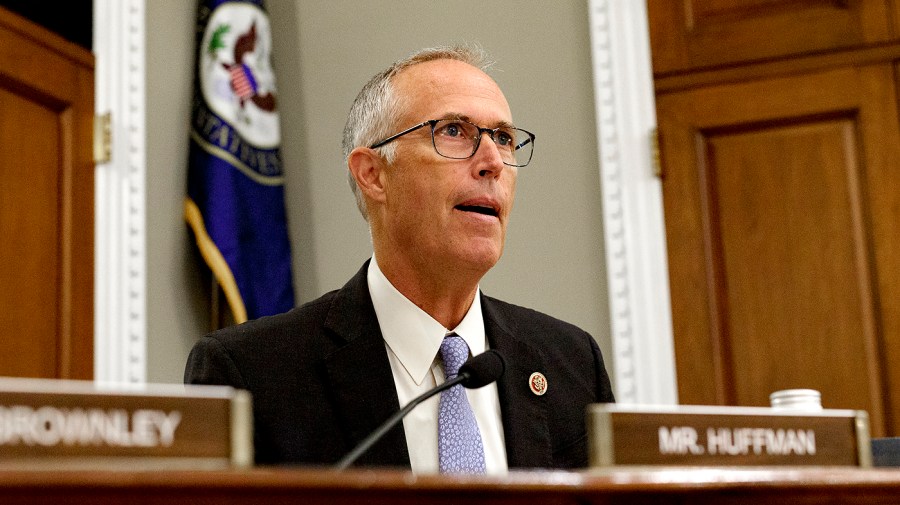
[480, 209]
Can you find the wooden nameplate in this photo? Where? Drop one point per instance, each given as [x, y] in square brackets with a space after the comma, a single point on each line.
[78, 423]
[730, 436]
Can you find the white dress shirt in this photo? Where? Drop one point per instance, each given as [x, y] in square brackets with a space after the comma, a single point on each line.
[413, 339]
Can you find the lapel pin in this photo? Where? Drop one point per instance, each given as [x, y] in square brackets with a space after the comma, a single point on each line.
[538, 383]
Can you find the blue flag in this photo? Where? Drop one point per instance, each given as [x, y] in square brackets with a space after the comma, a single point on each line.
[235, 201]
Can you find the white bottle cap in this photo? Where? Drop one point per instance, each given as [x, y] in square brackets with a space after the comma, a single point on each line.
[796, 399]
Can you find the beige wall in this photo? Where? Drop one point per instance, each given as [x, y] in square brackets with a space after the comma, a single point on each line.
[324, 52]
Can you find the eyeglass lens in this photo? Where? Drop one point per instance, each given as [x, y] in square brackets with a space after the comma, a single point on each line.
[455, 138]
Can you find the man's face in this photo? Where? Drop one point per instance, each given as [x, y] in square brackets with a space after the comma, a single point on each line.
[440, 212]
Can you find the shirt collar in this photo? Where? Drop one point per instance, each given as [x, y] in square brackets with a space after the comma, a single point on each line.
[413, 335]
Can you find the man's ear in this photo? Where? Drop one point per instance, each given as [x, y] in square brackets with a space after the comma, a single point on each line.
[367, 168]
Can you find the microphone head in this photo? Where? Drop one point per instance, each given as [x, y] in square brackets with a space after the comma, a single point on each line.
[482, 370]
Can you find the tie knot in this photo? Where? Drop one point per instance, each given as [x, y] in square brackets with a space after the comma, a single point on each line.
[454, 352]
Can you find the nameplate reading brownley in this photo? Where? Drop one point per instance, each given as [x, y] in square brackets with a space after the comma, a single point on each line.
[50, 426]
[732, 436]
[58, 423]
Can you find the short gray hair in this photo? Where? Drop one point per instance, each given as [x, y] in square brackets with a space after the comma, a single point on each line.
[376, 110]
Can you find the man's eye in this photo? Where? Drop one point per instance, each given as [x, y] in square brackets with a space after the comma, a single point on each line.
[451, 130]
[504, 138]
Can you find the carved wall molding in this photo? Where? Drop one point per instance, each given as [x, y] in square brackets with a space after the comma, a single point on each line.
[634, 231]
[120, 313]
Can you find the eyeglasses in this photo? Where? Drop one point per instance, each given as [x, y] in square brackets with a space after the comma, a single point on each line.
[459, 140]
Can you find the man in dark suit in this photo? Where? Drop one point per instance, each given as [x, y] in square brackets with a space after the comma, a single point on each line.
[433, 158]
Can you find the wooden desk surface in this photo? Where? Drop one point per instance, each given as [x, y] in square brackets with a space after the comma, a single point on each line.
[310, 486]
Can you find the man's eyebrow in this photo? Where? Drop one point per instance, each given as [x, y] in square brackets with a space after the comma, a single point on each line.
[464, 117]
[456, 115]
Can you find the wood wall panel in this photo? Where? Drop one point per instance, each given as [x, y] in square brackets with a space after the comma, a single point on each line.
[786, 212]
[29, 196]
[693, 34]
[781, 198]
[46, 203]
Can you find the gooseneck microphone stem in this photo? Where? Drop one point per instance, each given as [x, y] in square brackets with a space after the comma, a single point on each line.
[376, 435]
[477, 372]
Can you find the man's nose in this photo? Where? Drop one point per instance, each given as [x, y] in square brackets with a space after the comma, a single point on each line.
[489, 163]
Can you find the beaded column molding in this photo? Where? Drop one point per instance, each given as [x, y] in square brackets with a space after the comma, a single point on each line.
[634, 231]
[120, 324]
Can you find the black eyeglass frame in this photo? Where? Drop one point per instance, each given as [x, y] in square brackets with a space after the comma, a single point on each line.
[481, 131]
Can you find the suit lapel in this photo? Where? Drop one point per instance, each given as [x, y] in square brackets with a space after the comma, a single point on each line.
[524, 414]
[360, 375]
[364, 393]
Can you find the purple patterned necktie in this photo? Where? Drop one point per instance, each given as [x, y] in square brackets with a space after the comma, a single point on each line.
[460, 449]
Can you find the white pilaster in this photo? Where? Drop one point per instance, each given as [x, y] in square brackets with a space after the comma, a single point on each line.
[634, 231]
[120, 326]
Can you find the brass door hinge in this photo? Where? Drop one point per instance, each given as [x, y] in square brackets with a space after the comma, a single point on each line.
[654, 153]
[103, 138]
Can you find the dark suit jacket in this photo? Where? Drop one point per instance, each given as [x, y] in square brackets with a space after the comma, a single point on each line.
[321, 381]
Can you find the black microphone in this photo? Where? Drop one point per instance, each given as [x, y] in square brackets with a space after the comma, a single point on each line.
[478, 371]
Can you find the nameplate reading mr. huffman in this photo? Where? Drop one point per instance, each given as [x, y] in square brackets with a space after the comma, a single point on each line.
[53, 423]
[731, 436]
[737, 441]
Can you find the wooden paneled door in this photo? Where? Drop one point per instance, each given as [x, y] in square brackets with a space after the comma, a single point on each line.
[46, 203]
[782, 206]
